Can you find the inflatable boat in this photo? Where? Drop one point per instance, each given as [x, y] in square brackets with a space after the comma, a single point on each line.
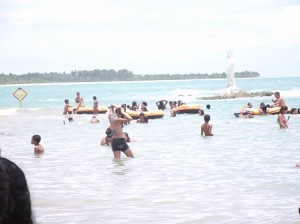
[152, 114]
[187, 108]
[87, 110]
[247, 110]
[256, 111]
[273, 110]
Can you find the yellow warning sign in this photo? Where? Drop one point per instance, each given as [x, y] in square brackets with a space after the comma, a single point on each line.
[20, 94]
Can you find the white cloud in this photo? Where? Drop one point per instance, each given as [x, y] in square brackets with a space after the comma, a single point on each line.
[144, 36]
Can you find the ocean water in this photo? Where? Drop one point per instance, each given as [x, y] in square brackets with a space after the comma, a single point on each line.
[245, 173]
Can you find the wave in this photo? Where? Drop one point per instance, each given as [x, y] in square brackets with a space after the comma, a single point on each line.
[293, 93]
[195, 92]
[9, 111]
[49, 100]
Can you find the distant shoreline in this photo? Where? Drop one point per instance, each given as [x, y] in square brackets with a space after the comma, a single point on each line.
[110, 76]
[112, 82]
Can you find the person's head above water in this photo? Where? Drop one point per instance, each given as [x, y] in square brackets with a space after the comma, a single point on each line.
[36, 139]
[109, 133]
[206, 118]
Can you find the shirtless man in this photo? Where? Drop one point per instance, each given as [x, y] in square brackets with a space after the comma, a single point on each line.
[278, 102]
[38, 148]
[117, 118]
[66, 106]
[206, 127]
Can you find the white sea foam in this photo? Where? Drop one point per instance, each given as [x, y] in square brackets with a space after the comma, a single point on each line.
[295, 92]
[8, 111]
[194, 92]
[49, 100]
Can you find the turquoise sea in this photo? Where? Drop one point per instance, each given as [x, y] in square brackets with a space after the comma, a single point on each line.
[245, 173]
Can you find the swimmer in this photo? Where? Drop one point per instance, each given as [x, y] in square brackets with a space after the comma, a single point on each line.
[172, 113]
[38, 148]
[94, 120]
[108, 138]
[142, 118]
[161, 105]
[144, 106]
[295, 111]
[206, 127]
[201, 112]
[117, 118]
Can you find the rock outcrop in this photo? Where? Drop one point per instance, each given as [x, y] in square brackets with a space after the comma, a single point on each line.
[236, 94]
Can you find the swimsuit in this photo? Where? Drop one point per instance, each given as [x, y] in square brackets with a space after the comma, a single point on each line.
[283, 119]
[119, 144]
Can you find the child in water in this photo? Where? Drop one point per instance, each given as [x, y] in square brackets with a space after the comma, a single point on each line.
[206, 127]
[38, 148]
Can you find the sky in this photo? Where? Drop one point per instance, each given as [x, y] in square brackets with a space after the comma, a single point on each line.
[150, 37]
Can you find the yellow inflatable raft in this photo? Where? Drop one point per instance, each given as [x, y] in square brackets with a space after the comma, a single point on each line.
[87, 110]
[187, 108]
[273, 110]
[256, 111]
[152, 114]
[247, 110]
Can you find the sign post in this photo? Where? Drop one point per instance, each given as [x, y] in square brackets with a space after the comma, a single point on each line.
[20, 95]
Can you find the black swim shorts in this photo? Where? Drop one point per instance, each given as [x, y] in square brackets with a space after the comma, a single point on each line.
[119, 144]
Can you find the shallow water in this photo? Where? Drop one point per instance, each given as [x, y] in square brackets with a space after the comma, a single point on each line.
[245, 173]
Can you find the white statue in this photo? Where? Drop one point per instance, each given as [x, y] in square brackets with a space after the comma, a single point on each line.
[230, 68]
[232, 90]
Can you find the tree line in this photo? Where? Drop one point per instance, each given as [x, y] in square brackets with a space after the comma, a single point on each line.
[104, 75]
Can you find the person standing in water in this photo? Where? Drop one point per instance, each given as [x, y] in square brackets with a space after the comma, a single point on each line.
[278, 102]
[282, 121]
[95, 105]
[117, 118]
[206, 127]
